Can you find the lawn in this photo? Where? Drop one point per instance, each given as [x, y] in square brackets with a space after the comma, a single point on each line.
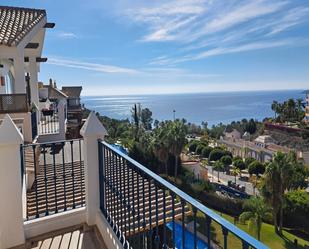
[268, 236]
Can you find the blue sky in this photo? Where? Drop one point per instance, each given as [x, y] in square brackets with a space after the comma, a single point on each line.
[173, 46]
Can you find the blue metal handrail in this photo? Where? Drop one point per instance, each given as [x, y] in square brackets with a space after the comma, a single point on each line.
[226, 225]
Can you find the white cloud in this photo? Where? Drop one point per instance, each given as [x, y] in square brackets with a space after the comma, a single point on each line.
[91, 66]
[215, 26]
[229, 50]
[166, 20]
[66, 35]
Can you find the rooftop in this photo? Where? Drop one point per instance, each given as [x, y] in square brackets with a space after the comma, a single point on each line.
[16, 23]
[72, 91]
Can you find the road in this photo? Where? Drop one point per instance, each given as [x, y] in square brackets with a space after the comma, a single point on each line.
[223, 177]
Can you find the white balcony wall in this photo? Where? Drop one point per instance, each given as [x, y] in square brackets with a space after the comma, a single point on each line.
[11, 207]
[13, 230]
[25, 127]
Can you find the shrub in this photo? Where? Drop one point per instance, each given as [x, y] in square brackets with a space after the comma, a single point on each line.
[193, 145]
[296, 210]
[226, 160]
[216, 154]
[202, 185]
[206, 151]
[256, 168]
[239, 164]
[199, 149]
[221, 203]
[249, 160]
[236, 158]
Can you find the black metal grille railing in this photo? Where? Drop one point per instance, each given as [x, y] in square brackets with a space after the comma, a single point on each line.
[49, 122]
[55, 177]
[145, 211]
[34, 125]
[13, 103]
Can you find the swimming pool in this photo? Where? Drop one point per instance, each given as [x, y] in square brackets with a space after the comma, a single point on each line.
[189, 238]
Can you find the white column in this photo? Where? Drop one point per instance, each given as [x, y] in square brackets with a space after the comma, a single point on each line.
[11, 212]
[92, 130]
[19, 75]
[34, 80]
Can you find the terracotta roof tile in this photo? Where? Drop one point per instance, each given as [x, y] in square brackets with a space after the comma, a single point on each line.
[16, 23]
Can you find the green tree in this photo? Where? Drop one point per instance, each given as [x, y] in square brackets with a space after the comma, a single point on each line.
[300, 173]
[249, 160]
[226, 161]
[216, 154]
[236, 158]
[240, 164]
[193, 145]
[235, 172]
[251, 126]
[288, 111]
[146, 118]
[136, 114]
[219, 167]
[255, 212]
[256, 168]
[277, 178]
[199, 149]
[176, 140]
[160, 147]
[206, 151]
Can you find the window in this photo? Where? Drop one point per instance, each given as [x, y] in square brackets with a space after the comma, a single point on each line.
[74, 102]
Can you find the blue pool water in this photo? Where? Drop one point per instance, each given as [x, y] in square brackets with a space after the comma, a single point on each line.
[189, 238]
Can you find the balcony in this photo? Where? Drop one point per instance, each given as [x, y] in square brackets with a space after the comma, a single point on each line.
[13, 103]
[89, 183]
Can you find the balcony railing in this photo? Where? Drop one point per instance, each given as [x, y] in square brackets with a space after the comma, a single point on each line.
[55, 177]
[13, 103]
[49, 122]
[146, 211]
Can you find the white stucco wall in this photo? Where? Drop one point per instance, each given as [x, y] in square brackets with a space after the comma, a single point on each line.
[25, 128]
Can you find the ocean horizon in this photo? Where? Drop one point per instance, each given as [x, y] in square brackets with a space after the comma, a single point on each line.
[213, 107]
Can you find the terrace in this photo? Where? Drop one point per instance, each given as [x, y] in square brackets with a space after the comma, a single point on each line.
[85, 193]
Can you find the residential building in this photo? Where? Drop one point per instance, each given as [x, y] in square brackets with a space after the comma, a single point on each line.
[262, 148]
[78, 193]
[21, 44]
[234, 134]
[75, 110]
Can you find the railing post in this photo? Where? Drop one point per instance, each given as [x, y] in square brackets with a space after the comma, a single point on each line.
[92, 131]
[11, 205]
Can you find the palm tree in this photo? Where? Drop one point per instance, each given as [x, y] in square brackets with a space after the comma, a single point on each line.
[176, 139]
[218, 167]
[255, 211]
[235, 172]
[277, 177]
[160, 147]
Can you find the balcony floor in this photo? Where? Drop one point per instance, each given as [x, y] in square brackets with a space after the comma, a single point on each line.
[70, 238]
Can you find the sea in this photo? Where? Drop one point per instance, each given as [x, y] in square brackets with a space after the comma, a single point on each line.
[214, 108]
